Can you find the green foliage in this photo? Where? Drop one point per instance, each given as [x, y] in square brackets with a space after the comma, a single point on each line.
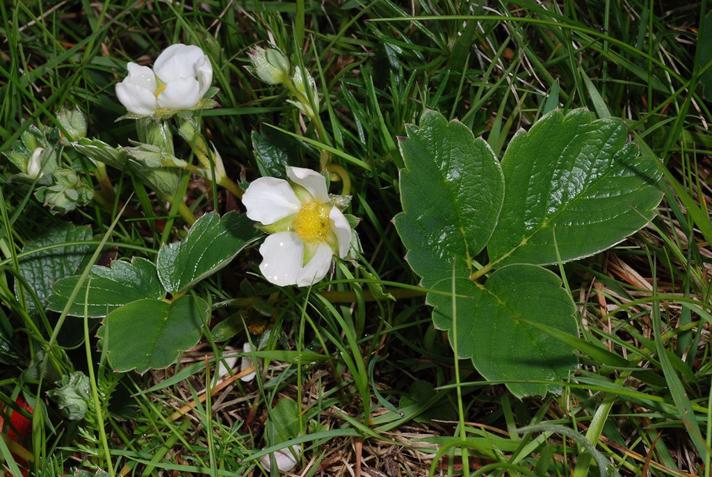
[148, 334]
[491, 332]
[451, 191]
[211, 244]
[41, 269]
[109, 288]
[132, 294]
[152, 166]
[378, 65]
[283, 422]
[271, 157]
[573, 188]
[703, 59]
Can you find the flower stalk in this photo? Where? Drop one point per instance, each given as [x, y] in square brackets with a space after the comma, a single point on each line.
[209, 159]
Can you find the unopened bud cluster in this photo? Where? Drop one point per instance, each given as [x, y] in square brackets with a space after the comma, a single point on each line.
[38, 157]
[272, 66]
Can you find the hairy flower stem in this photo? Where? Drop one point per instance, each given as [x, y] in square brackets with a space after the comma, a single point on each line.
[186, 214]
[210, 162]
[339, 173]
[325, 156]
[107, 189]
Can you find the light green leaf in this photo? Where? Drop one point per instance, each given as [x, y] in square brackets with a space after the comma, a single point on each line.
[100, 151]
[572, 182]
[451, 192]
[109, 288]
[40, 270]
[211, 244]
[149, 334]
[160, 172]
[73, 395]
[491, 330]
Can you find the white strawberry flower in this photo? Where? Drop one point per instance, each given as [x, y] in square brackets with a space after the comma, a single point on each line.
[306, 228]
[180, 77]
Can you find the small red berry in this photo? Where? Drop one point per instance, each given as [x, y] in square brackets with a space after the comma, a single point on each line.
[20, 426]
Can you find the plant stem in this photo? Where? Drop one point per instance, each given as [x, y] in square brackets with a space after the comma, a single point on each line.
[325, 157]
[343, 175]
[231, 186]
[94, 387]
[339, 296]
[186, 213]
[474, 276]
[104, 180]
[210, 162]
[460, 408]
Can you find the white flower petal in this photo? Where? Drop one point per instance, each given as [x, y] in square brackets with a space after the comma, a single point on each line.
[136, 99]
[177, 62]
[246, 363]
[204, 74]
[34, 165]
[342, 229]
[141, 76]
[286, 459]
[225, 365]
[269, 199]
[312, 181]
[282, 255]
[180, 94]
[317, 268]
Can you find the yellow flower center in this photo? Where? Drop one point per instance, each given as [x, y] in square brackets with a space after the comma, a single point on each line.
[312, 222]
[160, 87]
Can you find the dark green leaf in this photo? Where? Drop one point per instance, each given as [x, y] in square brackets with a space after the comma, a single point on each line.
[572, 182]
[491, 328]
[597, 353]
[211, 244]
[283, 422]
[271, 156]
[451, 192]
[149, 334]
[109, 288]
[40, 270]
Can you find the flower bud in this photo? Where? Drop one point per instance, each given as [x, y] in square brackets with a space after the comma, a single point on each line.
[34, 165]
[73, 395]
[155, 132]
[270, 65]
[73, 122]
[286, 459]
[67, 192]
[307, 88]
[31, 138]
[33, 156]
